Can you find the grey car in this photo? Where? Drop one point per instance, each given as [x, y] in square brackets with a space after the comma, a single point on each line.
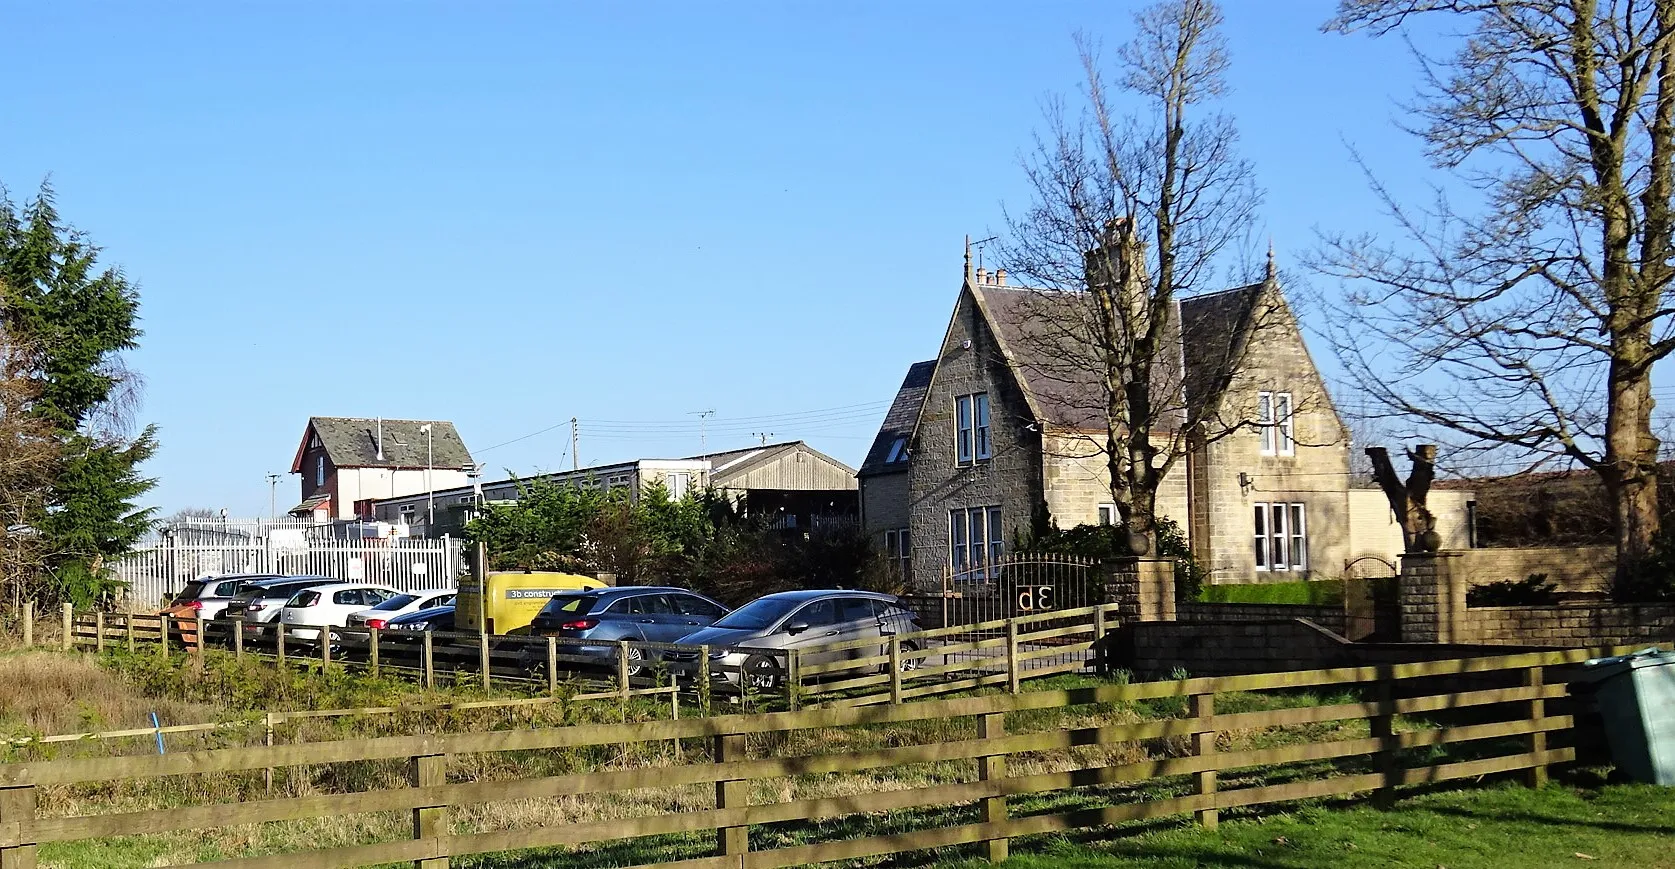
[805, 621]
[651, 613]
[209, 596]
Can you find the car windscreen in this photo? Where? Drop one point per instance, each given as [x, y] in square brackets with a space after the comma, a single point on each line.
[305, 598]
[757, 614]
[397, 602]
[570, 605]
[191, 592]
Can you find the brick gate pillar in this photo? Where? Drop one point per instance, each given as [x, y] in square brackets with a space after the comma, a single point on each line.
[1143, 589]
[1431, 593]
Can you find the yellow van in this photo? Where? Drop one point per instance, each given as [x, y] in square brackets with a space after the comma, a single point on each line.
[515, 596]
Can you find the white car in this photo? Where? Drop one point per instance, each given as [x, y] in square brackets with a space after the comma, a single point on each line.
[400, 605]
[329, 606]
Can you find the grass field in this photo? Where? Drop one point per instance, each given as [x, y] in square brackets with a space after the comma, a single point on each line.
[1504, 826]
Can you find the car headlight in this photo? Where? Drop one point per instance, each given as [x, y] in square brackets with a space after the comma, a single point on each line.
[718, 654]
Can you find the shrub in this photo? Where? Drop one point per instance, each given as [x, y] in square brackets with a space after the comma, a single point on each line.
[1533, 590]
[1105, 542]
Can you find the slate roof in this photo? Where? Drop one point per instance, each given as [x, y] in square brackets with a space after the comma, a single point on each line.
[899, 420]
[1049, 339]
[352, 442]
[1057, 368]
[1212, 326]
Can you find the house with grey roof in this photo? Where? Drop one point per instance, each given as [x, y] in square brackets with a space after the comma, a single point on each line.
[1011, 415]
[347, 463]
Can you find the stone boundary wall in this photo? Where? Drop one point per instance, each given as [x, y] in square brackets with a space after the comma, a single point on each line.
[1329, 617]
[1156, 650]
[1572, 569]
[1569, 626]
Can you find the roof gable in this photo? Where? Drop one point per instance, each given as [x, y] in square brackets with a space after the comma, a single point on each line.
[353, 442]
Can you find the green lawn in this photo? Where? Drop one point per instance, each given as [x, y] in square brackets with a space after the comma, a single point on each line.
[1503, 826]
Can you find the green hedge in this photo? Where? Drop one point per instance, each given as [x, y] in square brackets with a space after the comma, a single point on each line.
[1323, 593]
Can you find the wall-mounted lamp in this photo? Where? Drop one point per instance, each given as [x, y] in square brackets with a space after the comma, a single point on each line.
[1246, 483]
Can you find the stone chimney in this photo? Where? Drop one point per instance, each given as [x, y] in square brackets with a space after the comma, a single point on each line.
[1000, 277]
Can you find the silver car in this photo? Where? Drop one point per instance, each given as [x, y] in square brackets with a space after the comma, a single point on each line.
[805, 621]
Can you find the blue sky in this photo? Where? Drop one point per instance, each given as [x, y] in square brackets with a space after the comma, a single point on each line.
[510, 214]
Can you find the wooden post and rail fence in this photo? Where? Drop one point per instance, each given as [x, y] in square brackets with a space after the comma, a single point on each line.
[1417, 710]
[890, 669]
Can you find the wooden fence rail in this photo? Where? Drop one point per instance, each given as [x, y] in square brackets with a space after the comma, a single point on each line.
[856, 673]
[1501, 719]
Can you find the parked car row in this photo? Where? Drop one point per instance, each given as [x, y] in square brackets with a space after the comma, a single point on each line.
[747, 643]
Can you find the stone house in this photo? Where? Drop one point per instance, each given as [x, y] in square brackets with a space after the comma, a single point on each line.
[1011, 415]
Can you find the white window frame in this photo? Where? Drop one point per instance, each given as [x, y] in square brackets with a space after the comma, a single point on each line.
[976, 540]
[319, 471]
[898, 549]
[973, 435]
[1275, 419]
[677, 484]
[1106, 514]
[1280, 536]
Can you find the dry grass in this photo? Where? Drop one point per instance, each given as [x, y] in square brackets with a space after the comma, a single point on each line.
[48, 692]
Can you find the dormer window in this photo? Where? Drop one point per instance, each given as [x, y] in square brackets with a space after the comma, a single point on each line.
[898, 452]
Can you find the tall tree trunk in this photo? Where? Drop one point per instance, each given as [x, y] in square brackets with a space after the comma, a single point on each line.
[1631, 472]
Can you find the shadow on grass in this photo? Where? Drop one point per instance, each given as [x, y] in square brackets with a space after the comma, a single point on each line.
[1504, 816]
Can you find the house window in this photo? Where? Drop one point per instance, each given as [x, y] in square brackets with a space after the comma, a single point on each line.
[898, 551]
[898, 452]
[1274, 419]
[677, 485]
[1107, 514]
[407, 512]
[971, 421]
[975, 541]
[1282, 538]
[319, 471]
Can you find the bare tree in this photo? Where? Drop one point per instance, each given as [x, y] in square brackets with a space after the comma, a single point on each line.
[1163, 185]
[1408, 499]
[1527, 323]
[28, 461]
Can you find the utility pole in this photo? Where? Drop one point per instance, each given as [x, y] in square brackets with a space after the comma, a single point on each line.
[762, 436]
[430, 489]
[575, 458]
[703, 428]
[273, 498]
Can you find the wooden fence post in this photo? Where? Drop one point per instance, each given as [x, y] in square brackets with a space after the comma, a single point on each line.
[128, 628]
[703, 686]
[162, 636]
[28, 624]
[1012, 677]
[622, 676]
[793, 680]
[424, 771]
[731, 794]
[430, 661]
[279, 644]
[1204, 745]
[552, 666]
[237, 628]
[267, 739]
[1536, 776]
[993, 768]
[325, 648]
[483, 656]
[895, 669]
[1099, 639]
[372, 651]
[99, 631]
[1384, 730]
[17, 805]
[69, 626]
[198, 626]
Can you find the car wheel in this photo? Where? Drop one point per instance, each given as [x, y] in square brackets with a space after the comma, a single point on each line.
[636, 661]
[761, 673]
[909, 660]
